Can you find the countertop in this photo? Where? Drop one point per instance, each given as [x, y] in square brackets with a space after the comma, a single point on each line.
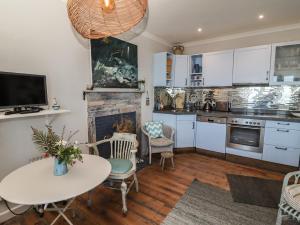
[274, 117]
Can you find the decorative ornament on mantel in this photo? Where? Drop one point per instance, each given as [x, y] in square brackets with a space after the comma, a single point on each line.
[95, 19]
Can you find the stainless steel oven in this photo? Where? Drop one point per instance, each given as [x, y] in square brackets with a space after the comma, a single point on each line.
[246, 134]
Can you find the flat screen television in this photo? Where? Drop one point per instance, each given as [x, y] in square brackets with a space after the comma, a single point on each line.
[22, 90]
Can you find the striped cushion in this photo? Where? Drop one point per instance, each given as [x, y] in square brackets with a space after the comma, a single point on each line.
[291, 195]
[154, 129]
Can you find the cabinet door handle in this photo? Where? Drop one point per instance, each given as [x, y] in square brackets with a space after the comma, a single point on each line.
[185, 81]
[281, 148]
[285, 124]
[203, 81]
[193, 125]
[282, 130]
[267, 78]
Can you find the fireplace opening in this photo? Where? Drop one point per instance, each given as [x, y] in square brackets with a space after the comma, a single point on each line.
[107, 125]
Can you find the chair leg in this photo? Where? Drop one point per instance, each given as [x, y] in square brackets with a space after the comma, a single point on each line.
[163, 164]
[136, 182]
[124, 193]
[150, 158]
[279, 217]
[172, 160]
[89, 201]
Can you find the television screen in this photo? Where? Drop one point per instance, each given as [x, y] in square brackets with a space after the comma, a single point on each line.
[18, 90]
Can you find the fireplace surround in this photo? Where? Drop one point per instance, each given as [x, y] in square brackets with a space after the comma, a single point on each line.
[113, 112]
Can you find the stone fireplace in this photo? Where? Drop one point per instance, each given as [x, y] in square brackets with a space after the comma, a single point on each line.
[110, 112]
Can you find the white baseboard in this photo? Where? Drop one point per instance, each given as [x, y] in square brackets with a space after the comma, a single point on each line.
[5, 214]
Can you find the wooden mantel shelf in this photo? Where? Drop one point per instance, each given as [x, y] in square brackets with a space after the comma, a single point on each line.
[111, 90]
[46, 113]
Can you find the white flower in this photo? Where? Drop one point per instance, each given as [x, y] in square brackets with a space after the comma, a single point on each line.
[62, 143]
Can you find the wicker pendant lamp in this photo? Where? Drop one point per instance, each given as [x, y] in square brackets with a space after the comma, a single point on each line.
[95, 19]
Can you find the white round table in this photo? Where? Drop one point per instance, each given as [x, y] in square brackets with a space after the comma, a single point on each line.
[35, 184]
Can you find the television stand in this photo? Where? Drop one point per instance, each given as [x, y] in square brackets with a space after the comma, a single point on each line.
[25, 110]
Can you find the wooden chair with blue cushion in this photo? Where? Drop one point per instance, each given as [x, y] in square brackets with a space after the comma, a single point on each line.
[123, 148]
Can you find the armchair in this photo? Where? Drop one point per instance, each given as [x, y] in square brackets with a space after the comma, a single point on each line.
[289, 206]
[158, 145]
[123, 148]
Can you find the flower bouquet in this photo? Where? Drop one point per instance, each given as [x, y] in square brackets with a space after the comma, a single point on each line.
[63, 150]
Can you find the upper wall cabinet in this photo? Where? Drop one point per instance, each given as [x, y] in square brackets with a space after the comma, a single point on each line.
[252, 65]
[181, 70]
[217, 68]
[196, 78]
[163, 74]
[285, 63]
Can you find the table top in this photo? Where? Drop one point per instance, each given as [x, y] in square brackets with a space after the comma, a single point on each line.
[35, 184]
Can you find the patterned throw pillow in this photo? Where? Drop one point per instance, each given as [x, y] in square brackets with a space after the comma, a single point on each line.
[154, 129]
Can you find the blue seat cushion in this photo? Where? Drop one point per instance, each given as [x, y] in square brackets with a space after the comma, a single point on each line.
[120, 165]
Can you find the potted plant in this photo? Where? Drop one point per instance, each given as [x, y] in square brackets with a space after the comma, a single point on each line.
[63, 150]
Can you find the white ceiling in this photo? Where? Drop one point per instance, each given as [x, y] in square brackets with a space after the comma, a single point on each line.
[178, 20]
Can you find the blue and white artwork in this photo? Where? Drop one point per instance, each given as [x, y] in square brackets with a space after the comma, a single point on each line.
[114, 63]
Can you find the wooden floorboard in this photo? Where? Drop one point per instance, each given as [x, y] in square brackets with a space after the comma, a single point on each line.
[159, 192]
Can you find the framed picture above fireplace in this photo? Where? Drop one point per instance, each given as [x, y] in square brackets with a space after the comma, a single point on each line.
[114, 63]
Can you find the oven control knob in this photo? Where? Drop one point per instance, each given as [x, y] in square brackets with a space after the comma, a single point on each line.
[258, 123]
[247, 122]
[250, 122]
[254, 123]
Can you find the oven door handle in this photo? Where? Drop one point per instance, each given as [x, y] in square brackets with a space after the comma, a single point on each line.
[245, 127]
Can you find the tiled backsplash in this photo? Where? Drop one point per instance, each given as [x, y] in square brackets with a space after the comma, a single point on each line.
[253, 97]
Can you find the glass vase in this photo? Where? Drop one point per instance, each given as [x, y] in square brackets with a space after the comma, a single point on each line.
[60, 168]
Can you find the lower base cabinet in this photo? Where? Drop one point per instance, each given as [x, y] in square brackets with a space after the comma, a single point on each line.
[185, 132]
[211, 136]
[281, 155]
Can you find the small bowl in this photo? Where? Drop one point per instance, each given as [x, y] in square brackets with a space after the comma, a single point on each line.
[296, 114]
[56, 107]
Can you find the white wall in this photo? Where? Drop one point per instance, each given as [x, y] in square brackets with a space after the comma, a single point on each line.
[36, 37]
[274, 37]
[146, 49]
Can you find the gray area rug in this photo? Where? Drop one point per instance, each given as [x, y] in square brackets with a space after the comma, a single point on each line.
[207, 205]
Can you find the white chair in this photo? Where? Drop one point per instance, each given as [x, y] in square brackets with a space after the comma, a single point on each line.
[158, 145]
[123, 148]
[289, 205]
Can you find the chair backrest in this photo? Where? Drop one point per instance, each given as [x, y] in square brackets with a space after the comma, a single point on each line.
[121, 145]
[167, 130]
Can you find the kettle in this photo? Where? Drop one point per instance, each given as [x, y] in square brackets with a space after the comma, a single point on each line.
[208, 105]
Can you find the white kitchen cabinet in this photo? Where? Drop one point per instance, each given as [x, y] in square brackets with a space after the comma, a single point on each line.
[282, 143]
[217, 68]
[185, 133]
[281, 154]
[285, 63]
[252, 65]
[181, 70]
[282, 137]
[163, 67]
[211, 136]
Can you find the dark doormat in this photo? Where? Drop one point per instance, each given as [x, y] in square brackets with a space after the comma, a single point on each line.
[255, 191]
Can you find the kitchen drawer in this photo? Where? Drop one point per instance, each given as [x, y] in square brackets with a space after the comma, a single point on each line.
[186, 117]
[282, 137]
[282, 155]
[283, 124]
